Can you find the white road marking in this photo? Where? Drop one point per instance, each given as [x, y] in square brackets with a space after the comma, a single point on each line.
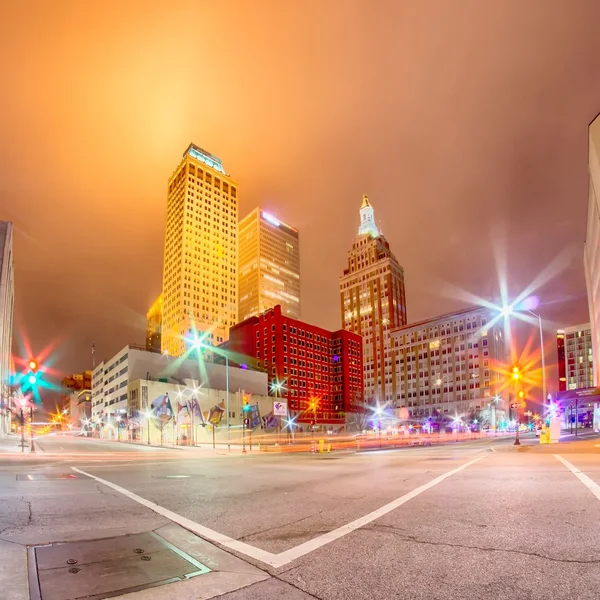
[278, 560]
[205, 532]
[589, 483]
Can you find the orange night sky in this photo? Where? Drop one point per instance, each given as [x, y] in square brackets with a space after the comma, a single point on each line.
[465, 122]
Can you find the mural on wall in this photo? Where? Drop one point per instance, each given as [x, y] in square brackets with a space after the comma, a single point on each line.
[161, 408]
[189, 411]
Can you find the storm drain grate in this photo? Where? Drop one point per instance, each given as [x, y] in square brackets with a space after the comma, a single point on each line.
[99, 569]
[44, 476]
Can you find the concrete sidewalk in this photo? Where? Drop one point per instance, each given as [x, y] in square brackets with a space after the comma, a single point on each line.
[204, 448]
[12, 444]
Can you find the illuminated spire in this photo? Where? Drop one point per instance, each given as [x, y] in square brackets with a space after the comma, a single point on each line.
[367, 219]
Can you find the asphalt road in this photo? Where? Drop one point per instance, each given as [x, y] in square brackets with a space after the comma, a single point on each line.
[475, 520]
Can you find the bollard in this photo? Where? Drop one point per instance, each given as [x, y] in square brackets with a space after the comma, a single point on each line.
[328, 448]
[321, 446]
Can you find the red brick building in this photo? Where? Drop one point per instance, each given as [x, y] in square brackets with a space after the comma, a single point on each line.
[321, 371]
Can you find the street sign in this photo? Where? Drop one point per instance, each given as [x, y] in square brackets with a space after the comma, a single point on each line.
[280, 409]
[514, 405]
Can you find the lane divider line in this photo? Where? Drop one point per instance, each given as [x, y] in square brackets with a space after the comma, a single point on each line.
[590, 484]
[307, 547]
[279, 560]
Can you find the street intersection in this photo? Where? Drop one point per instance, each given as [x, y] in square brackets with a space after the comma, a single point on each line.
[481, 519]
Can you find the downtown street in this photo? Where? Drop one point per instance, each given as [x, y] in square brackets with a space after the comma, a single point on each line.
[479, 519]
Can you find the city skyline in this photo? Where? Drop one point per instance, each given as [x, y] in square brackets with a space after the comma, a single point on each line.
[432, 192]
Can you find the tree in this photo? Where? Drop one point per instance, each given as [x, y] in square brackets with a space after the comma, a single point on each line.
[358, 414]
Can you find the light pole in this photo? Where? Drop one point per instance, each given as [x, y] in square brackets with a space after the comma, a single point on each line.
[539, 318]
[506, 311]
[227, 401]
[147, 414]
[23, 403]
[31, 434]
[199, 344]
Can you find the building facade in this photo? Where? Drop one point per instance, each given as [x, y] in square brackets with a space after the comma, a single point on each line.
[560, 360]
[192, 409]
[111, 378]
[7, 300]
[200, 258]
[80, 407]
[269, 266]
[373, 303]
[591, 253]
[451, 365]
[319, 372]
[576, 369]
[154, 325]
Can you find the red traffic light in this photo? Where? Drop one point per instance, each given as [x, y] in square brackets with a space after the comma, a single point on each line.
[33, 364]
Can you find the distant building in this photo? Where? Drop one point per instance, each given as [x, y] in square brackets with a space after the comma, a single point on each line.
[7, 300]
[591, 254]
[319, 371]
[200, 258]
[80, 407]
[77, 382]
[111, 378]
[154, 325]
[269, 266]
[575, 358]
[561, 364]
[452, 365]
[373, 303]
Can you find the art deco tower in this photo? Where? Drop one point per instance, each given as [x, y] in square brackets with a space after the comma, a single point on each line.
[200, 260]
[373, 302]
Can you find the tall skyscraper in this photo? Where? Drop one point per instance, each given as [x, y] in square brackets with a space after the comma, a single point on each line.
[154, 325]
[373, 302]
[7, 299]
[200, 264]
[269, 267]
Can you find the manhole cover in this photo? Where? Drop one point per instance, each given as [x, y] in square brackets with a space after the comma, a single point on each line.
[43, 476]
[107, 568]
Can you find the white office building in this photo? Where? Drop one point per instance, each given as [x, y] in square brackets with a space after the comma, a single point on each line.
[111, 378]
[6, 322]
[452, 365]
[591, 254]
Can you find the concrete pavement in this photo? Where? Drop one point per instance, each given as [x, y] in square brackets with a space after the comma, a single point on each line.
[475, 520]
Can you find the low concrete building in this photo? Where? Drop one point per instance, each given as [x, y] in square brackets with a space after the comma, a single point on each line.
[111, 380]
[186, 413]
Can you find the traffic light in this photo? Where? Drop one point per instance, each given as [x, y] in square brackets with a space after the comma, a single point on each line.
[246, 403]
[246, 422]
[521, 394]
[33, 372]
[515, 373]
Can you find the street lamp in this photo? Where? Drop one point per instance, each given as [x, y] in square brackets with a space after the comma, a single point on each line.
[23, 403]
[508, 310]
